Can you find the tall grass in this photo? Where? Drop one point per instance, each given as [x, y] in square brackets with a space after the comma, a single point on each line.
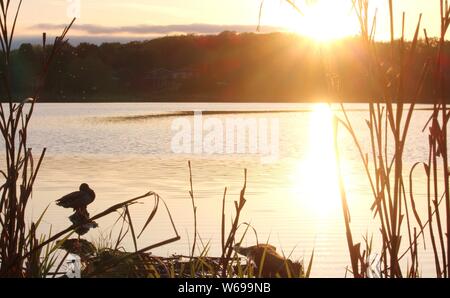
[18, 242]
[438, 153]
[388, 123]
[229, 264]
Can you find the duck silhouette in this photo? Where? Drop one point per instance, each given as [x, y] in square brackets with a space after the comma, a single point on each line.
[273, 264]
[78, 200]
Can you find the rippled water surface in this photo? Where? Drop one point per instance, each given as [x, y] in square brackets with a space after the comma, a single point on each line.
[124, 150]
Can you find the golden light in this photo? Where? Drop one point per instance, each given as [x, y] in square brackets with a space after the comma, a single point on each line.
[317, 184]
[322, 20]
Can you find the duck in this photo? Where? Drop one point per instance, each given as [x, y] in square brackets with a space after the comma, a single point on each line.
[78, 200]
[274, 265]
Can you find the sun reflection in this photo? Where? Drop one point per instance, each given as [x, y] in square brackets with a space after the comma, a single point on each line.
[317, 185]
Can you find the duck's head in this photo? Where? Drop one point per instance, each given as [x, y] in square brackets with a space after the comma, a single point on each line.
[240, 250]
[84, 187]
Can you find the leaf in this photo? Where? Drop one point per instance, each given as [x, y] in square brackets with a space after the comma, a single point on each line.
[130, 222]
[308, 272]
[41, 216]
[152, 214]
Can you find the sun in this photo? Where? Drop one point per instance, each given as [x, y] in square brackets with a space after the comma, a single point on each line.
[328, 19]
[322, 20]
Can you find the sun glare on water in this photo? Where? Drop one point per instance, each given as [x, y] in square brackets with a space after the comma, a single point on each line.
[317, 184]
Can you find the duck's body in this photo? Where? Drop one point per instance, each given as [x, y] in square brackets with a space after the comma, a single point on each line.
[273, 265]
[78, 200]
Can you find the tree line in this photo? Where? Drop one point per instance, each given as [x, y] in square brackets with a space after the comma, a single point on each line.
[225, 67]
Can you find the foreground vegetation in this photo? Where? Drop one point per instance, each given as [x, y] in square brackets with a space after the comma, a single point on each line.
[399, 224]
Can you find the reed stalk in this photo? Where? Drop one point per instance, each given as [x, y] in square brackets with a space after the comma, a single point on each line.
[20, 169]
[388, 126]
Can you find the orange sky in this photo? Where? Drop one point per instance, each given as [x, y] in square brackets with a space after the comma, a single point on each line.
[150, 18]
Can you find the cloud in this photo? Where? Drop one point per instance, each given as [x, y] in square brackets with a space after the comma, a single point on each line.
[157, 29]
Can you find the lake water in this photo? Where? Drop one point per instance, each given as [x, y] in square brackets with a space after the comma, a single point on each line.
[124, 150]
